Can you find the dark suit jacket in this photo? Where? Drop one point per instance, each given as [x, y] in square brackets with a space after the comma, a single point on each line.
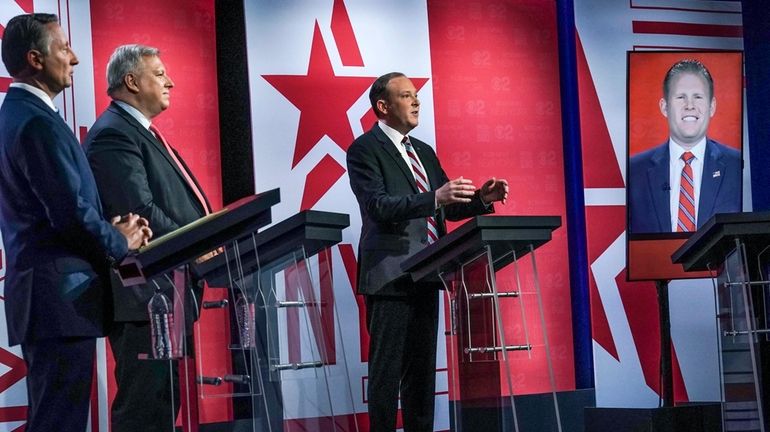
[135, 173]
[58, 243]
[392, 211]
[649, 189]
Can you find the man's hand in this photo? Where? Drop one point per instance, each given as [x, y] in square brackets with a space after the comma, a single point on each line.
[494, 190]
[134, 228]
[459, 190]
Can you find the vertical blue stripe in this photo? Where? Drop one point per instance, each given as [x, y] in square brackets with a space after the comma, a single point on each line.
[573, 178]
[756, 40]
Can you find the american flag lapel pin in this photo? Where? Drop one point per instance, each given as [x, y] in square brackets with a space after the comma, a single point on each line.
[716, 174]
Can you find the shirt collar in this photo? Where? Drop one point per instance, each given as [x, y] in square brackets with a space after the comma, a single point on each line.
[393, 134]
[676, 151]
[135, 113]
[37, 92]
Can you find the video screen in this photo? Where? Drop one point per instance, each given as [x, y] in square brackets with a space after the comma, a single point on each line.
[684, 147]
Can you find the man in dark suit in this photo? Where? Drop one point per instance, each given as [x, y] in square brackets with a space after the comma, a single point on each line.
[136, 170]
[402, 211]
[679, 185]
[59, 245]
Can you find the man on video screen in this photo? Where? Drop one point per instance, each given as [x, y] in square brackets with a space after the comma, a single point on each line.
[680, 184]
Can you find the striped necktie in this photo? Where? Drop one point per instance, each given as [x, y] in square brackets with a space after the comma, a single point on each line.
[182, 168]
[686, 218]
[421, 179]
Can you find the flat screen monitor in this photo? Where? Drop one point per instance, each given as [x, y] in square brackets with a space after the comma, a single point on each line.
[684, 152]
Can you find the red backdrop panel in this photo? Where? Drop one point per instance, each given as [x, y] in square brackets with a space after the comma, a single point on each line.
[497, 112]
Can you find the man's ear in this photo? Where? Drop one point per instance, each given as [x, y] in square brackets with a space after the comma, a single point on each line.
[713, 108]
[130, 82]
[663, 105]
[35, 59]
[382, 106]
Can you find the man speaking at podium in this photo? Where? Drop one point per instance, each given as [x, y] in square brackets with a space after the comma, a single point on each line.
[404, 197]
[137, 169]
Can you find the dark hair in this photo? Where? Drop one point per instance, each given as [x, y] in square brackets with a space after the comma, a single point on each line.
[22, 34]
[379, 88]
[687, 66]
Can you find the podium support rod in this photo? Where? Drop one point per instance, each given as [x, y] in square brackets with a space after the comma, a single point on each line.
[666, 370]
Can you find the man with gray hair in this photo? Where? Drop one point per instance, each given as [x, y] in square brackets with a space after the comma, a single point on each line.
[136, 168]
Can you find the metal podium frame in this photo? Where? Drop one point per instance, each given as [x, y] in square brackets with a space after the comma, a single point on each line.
[175, 254]
[272, 272]
[736, 248]
[466, 261]
[246, 262]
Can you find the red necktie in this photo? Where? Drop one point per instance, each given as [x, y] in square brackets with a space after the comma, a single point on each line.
[686, 218]
[421, 179]
[181, 167]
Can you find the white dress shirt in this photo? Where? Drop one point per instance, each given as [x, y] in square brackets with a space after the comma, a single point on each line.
[135, 113]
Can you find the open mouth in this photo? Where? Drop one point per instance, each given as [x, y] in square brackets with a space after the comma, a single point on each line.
[689, 118]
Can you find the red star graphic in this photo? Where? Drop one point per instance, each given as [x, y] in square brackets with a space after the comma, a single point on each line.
[322, 98]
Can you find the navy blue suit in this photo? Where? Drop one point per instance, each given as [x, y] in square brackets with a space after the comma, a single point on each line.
[649, 188]
[59, 247]
[401, 316]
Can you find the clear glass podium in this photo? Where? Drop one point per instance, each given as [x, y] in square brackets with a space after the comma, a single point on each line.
[267, 350]
[736, 248]
[481, 352]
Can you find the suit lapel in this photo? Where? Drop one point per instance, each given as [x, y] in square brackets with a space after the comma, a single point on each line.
[148, 136]
[711, 179]
[660, 189]
[390, 149]
[155, 143]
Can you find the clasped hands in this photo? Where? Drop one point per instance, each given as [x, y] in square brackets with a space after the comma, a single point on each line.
[461, 190]
[134, 228]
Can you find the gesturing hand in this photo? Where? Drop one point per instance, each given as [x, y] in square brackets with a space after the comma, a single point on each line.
[494, 190]
[459, 190]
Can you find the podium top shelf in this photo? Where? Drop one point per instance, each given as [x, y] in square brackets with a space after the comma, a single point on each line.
[711, 244]
[505, 236]
[308, 230]
[199, 237]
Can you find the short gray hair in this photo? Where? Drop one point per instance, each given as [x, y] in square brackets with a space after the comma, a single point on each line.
[125, 60]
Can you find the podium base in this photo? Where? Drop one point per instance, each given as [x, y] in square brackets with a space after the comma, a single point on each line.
[535, 413]
[705, 417]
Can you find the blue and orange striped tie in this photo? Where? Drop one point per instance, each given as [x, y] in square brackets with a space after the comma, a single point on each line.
[686, 218]
[421, 179]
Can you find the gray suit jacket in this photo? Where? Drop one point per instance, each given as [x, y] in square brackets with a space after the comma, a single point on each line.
[135, 173]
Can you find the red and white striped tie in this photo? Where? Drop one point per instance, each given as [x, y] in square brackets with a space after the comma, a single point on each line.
[686, 218]
[421, 179]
